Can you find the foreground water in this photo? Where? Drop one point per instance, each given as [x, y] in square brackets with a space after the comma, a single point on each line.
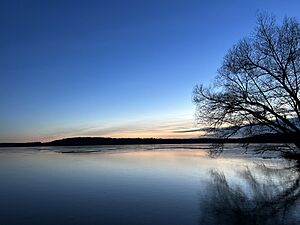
[157, 184]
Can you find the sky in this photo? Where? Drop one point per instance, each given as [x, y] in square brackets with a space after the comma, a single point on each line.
[114, 68]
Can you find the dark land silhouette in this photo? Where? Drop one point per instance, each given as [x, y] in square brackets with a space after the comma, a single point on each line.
[85, 141]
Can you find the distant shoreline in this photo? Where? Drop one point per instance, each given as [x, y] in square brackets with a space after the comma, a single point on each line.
[86, 141]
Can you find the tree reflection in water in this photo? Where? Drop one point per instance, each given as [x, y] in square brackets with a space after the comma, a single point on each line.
[262, 195]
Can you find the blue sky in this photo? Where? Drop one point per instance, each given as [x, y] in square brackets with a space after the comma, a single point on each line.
[113, 68]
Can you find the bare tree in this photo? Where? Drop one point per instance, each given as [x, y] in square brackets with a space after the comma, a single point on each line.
[257, 87]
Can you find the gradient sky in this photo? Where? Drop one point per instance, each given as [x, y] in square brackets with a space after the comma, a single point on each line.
[114, 68]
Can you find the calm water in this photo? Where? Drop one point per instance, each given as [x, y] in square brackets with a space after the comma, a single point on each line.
[158, 184]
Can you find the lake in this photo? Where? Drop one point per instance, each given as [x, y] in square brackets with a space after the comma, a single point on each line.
[146, 184]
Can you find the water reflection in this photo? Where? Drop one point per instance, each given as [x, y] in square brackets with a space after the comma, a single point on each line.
[145, 185]
[265, 194]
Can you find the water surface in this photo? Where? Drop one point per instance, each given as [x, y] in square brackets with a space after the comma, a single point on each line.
[146, 184]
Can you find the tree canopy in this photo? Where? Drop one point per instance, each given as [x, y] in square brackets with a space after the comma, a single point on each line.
[257, 87]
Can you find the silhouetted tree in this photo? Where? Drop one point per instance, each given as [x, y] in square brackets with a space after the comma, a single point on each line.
[257, 87]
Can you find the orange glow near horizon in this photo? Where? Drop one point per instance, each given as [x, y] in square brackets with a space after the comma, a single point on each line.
[164, 128]
[131, 135]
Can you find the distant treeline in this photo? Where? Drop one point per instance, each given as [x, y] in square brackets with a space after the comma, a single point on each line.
[84, 141]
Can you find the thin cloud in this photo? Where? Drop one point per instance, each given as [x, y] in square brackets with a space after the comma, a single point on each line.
[164, 128]
[188, 131]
